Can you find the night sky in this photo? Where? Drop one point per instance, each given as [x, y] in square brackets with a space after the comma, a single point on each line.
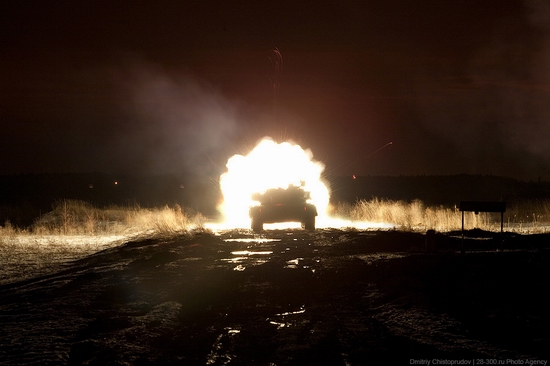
[180, 86]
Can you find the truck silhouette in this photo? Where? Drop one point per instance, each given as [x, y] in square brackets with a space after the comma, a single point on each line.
[282, 205]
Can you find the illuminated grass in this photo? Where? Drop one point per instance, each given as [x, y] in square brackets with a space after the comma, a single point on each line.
[70, 217]
[75, 229]
[522, 216]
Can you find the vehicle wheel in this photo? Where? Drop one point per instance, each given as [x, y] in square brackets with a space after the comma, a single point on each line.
[257, 225]
[309, 223]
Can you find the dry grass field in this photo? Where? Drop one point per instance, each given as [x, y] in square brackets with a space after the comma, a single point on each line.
[525, 216]
[75, 229]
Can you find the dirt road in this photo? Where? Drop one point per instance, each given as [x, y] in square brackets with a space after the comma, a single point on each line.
[292, 297]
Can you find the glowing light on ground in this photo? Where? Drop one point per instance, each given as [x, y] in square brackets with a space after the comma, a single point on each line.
[32, 255]
[275, 165]
[327, 222]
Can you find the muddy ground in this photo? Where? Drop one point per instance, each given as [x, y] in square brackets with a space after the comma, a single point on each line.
[291, 297]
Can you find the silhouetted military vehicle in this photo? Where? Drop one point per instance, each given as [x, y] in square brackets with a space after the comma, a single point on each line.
[283, 205]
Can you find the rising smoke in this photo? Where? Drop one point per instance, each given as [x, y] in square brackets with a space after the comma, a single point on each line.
[177, 123]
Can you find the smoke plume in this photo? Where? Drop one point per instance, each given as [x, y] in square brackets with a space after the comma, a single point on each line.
[176, 122]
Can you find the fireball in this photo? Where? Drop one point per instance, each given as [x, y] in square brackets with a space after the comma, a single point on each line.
[269, 165]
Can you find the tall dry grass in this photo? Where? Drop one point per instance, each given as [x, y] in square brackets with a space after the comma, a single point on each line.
[73, 217]
[520, 216]
[75, 229]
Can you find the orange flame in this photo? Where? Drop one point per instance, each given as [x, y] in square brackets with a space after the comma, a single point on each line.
[269, 165]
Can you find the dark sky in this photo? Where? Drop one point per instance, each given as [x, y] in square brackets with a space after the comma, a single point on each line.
[180, 86]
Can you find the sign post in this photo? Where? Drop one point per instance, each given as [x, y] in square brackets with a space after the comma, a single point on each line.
[482, 206]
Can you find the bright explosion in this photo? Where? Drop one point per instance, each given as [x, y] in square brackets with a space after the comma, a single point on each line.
[274, 165]
[270, 165]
